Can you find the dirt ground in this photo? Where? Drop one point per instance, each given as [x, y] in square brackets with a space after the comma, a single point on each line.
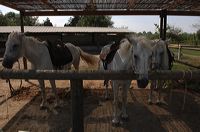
[22, 112]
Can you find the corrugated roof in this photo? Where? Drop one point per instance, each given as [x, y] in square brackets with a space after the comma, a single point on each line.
[50, 29]
[60, 7]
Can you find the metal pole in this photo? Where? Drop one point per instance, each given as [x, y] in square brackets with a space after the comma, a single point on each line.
[22, 30]
[77, 105]
[161, 25]
[165, 24]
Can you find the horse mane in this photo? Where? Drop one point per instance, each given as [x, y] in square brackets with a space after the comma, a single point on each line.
[134, 39]
[36, 41]
[124, 44]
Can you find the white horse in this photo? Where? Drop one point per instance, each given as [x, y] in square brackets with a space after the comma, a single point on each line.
[19, 45]
[161, 60]
[134, 54]
[102, 65]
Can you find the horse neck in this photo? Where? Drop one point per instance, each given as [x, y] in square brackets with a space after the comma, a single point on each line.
[165, 59]
[32, 49]
[125, 54]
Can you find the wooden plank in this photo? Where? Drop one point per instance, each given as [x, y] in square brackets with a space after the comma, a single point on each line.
[96, 75]
[77, 105]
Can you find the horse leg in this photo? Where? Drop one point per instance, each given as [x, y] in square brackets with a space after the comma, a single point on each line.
[160, 84]
[42, 89]
[53, 86]
[106, 82]
[151, 92]
[76, 63]
[125, 88]
[115, 120]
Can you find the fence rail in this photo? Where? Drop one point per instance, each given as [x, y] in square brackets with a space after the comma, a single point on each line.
[76, 79]
[96, 75]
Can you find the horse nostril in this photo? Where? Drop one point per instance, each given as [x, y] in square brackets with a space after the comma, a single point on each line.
[142, 83]
[7, 63]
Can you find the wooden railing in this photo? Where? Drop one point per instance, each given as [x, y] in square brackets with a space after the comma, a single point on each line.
[77, 78]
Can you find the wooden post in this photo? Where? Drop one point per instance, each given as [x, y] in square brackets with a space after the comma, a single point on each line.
[22, 30]
[77, 105]
[179, 51]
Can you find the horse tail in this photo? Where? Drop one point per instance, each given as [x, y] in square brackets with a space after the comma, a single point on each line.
[89, 58]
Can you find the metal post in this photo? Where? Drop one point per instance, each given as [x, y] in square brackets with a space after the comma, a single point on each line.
[22, 30]
[165, 24]
[161, 25]
[77, 105]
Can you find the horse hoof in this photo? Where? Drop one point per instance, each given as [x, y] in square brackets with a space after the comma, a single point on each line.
[106, 98]
[125, 118]
[42, 107]
[56, 106]
[150, 102]
[159, 103]
[115, 123]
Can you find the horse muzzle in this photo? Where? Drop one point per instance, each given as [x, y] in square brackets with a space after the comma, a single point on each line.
[7, 63]
[142, 83]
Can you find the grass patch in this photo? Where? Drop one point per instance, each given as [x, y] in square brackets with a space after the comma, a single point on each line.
[178, 66]
[185, 51]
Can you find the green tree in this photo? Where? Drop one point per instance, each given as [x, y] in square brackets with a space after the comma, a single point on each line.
[172, 32]
[90, 21]
[47, 22]
[3, 20]
[13, 19]
[72, 21]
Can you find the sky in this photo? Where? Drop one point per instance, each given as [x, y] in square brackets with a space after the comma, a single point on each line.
[133, 23]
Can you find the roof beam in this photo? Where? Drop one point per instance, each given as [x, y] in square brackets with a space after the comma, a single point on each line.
[91, 12]
[119, 12]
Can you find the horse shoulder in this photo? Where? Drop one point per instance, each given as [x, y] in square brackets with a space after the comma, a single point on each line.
[46, 62]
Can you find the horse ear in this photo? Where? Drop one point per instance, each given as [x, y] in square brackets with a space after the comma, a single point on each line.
[131, 39]
[167, 41]
[21, 35]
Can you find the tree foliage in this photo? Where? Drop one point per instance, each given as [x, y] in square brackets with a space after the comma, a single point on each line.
[47, 22]
[90, 21]
[73, 21]
[175, 34]
[13, 19]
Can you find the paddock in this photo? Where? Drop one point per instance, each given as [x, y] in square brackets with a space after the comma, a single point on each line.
[88, 111]
[24, 112]
[98, 112]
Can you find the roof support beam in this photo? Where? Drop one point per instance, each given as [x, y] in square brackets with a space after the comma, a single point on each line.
[119, 12]
[22, 30]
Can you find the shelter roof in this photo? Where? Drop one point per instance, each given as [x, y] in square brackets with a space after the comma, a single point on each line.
[50, 29]
[104, 7]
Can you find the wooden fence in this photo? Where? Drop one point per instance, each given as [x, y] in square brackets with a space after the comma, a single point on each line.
[187, 47]
[76, 79]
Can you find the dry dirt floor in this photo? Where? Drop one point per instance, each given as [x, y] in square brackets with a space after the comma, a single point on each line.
[22, 112]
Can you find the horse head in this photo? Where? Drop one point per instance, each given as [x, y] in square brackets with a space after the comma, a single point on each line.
[160, 59]
[14, 49]
[141, 58]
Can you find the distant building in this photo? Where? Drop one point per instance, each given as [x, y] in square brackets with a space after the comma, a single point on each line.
[88, 38]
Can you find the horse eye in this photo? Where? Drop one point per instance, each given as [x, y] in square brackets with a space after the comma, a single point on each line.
[135, 56]
[15, 46]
